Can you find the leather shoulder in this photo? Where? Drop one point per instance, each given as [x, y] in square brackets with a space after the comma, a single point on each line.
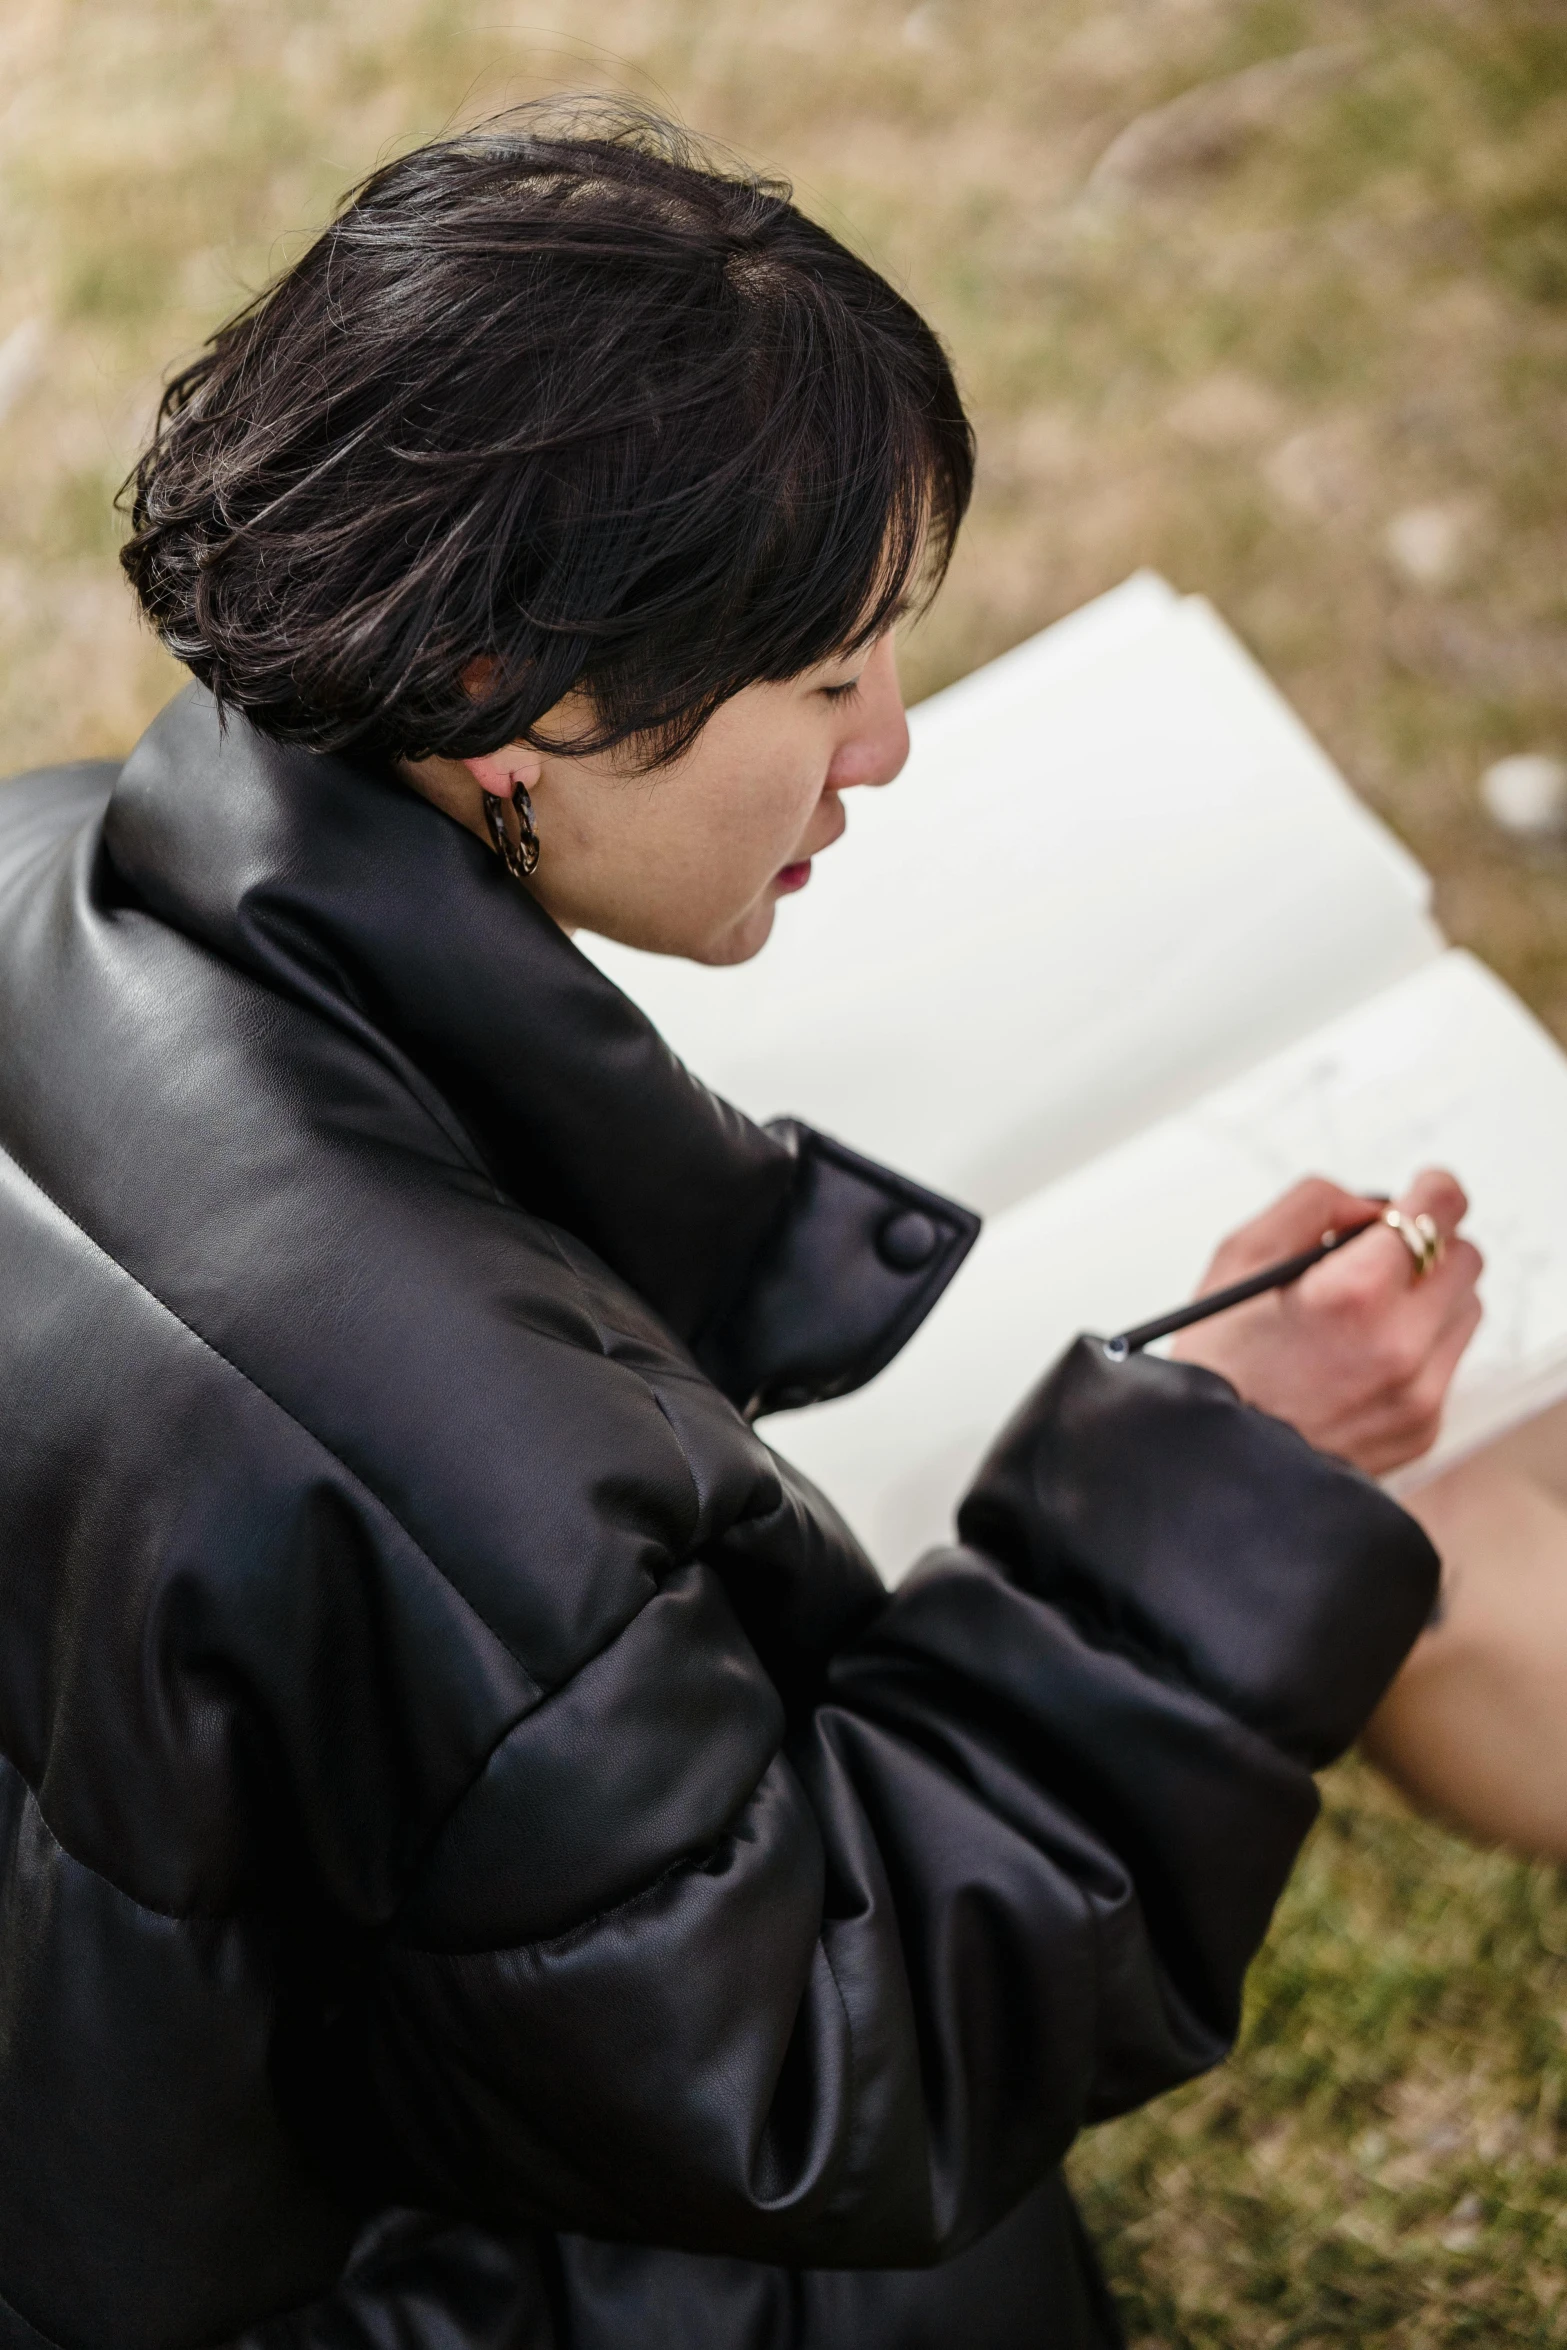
[38, 808]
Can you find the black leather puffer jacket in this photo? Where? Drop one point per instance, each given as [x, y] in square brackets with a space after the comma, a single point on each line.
[482, 1861]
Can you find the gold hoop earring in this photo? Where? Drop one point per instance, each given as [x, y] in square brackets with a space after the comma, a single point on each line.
[520, 857]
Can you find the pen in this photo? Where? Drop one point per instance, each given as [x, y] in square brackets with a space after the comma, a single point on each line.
[1219, 1301]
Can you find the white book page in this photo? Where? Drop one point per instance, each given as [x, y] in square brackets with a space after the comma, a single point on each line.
[1445, 1067]
[1115, 872]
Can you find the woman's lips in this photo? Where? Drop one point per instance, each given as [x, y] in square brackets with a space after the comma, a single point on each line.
[795, 876]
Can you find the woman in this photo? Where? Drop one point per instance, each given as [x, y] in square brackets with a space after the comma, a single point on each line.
[484, 1861]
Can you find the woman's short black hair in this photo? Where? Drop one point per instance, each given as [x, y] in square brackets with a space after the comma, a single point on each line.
[567, 392]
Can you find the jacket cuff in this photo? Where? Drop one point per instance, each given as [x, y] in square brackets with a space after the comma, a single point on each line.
[845, 1278]
[1179, 1525]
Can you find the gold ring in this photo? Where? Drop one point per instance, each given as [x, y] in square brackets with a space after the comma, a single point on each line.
[1420, 1235]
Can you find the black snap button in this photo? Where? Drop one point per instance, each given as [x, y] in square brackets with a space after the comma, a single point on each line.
[907, 1240]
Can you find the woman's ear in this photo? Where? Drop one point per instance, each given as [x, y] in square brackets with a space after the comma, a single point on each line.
[500, 772]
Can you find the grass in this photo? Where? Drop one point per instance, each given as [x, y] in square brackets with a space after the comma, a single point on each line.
[1238, 339]
[1383, 2161]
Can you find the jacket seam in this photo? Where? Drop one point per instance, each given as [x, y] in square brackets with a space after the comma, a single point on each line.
[170, 1917]
[558, 1244]
[560, 1688]
[359, 1483]
[844, 2163]
[683, 1862]
[538, 1690]
[388, 1932]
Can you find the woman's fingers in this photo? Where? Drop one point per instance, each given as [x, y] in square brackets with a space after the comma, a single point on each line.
[1360, 1352]
[1414, 1327]
[1405, 1422]
[1377, 1283]
[1298, 1219]
[1292, 1223]
[1435, 1194]
[1447, 1348]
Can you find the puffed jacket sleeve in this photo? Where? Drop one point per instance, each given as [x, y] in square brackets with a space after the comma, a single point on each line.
[833, 1976]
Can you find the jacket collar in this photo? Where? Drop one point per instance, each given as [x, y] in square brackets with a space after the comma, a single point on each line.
[330, 879]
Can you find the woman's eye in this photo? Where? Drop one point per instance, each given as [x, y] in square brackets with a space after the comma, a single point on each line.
[841, 693]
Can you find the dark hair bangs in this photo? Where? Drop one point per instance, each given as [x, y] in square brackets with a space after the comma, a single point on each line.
[547, 411]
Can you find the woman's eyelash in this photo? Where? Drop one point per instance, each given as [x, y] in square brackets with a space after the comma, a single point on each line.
[841, 693]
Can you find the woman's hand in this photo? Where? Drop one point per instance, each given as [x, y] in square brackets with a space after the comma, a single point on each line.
[1358, 1353]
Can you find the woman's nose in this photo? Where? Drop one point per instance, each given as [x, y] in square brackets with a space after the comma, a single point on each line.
[876, 744]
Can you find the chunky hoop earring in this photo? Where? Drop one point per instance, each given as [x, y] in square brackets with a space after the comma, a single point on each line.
[520, 857]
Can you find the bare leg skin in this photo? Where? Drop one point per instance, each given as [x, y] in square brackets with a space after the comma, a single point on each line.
[1539, 1449]
[1475, 1727]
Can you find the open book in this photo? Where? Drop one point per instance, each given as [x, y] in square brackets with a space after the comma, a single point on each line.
[1117, 959]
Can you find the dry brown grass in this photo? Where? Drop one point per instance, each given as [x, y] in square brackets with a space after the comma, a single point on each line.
[1233, 286]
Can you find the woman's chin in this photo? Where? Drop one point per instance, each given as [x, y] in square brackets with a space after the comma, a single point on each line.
[740, 941]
